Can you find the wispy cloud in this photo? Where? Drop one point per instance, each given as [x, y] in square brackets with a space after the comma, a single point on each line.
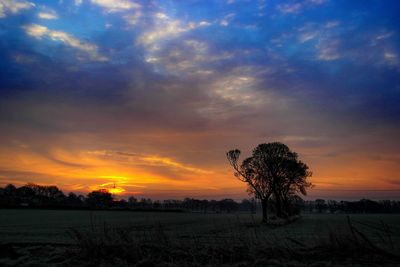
[307, 36]
[13, 6]
[132, 18]
[111, 6]
[239, 89]
[149, 160]
[168, 49]
[166, 27]
[391, 57]
[290, 8]
[296, 7]
[227, 19]
[39, 32]
[328, 50]
[48, 14]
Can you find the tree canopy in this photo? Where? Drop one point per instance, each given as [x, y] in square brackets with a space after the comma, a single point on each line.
[273, 172]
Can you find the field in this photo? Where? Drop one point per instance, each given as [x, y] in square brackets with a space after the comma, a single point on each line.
[123, 238]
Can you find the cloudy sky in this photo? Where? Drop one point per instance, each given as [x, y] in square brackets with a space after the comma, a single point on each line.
[151, 94]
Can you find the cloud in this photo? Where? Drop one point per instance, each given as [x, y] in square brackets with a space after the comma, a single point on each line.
[50, 14]
[227, 19]
[166, 28]
[335, 40]
[190, 57]
[36, 30]
[391, 58]
[165, 161]
[297, 6]
[39, 32]
[24, 58]
[328, 50]
[167, 49]
[322, 34]
[395, 181]
[133, 17]
[307, 36]
[332, 24]
[239, 88]
[13, 6]
[290, 8]
[111, 6]
[147, 160]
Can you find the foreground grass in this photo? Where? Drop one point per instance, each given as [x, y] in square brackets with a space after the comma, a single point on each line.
[111, 246]
[158, 239]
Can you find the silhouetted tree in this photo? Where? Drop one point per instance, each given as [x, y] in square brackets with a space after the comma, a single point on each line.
[132, 201]
[10, 195]
[320, 205]
[157, 204]
[332, 206]
[121, 204]
[45, 194]
[146, 203]
[26, 194]
[172, 204]
[10, 190]
[73, 200]
[273, 170]
[99, 198]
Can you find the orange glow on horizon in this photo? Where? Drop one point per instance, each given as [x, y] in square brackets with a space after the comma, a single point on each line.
[143, 174]
[116, 190]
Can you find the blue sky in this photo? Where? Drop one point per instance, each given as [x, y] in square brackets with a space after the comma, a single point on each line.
[185, 81]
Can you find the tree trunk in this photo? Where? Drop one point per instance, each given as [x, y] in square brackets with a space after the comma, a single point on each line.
[278, 202]
[286, 206]
[264, 205]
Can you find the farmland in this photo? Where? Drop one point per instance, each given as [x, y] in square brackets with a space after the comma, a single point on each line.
[33, 237]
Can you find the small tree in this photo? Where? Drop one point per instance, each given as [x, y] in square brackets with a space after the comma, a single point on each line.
[273, 171]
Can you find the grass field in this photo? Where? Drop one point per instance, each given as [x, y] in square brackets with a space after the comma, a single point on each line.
[35, 237]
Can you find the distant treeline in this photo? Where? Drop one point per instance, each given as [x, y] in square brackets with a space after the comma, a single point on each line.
[360, 206]
[51, 197]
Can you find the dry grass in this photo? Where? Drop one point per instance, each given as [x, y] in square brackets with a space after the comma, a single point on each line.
[153, 246]
[130, 239]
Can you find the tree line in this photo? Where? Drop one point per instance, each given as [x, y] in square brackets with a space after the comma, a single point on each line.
[40, 196]
[359, 206]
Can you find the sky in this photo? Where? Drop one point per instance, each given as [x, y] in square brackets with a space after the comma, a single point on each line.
[150, 95]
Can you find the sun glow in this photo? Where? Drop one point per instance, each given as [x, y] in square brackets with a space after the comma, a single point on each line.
[116, 190]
